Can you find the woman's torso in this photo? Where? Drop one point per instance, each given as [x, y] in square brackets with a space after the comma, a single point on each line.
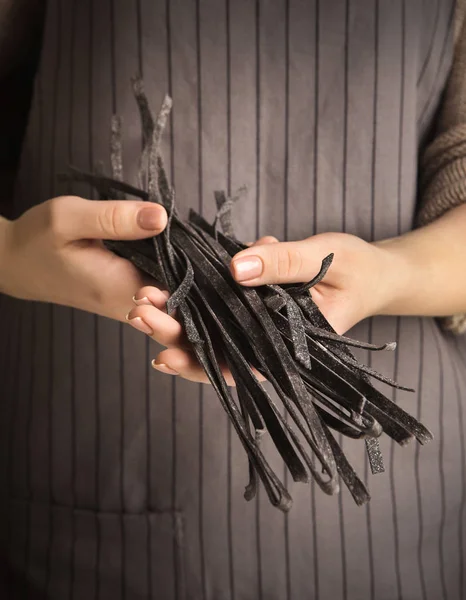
[118, 482]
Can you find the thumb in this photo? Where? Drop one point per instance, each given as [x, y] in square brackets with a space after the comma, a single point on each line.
[287, 262]
[76, 218]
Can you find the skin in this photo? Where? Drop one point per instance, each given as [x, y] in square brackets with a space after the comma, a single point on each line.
[419, 273]
[54, 253]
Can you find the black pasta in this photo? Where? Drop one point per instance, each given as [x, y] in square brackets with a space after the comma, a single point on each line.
[278, 330]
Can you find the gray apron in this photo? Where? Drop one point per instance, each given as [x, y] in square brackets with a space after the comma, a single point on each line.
[117, 482]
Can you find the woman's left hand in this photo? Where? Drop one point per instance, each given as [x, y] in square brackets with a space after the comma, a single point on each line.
[363, 280]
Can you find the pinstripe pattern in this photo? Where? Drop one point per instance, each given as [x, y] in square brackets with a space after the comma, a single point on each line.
[344, 173]
[418, 483]
[286, 175]
[462, 504]
[232, 580]
[120, 483]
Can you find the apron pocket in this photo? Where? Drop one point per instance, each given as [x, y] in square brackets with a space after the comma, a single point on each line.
[67, 552]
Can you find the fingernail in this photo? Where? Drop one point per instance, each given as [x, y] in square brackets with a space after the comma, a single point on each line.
[151, 218]
[163, 368]
[246, 268]
[140, 325]
[142, 301]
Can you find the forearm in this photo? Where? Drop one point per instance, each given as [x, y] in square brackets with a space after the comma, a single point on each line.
[426, 268]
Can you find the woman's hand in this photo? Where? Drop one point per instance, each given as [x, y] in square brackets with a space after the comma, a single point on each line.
[54, 253]
[359, 282]
[362, 280]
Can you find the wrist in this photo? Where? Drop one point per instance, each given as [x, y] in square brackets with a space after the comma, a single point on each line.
[399, 280]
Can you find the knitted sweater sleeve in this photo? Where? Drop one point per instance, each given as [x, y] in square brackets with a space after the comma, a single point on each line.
[442, 171]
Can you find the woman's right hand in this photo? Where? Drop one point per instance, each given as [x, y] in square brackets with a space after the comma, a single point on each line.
[54, 253]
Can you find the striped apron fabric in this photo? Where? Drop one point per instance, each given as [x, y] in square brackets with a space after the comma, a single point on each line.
[120, 483]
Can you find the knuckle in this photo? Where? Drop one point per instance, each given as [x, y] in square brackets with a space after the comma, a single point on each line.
[289, 263]
[53, 211]
[283, 264]
[110, 221]
[269, 239]
[56, 214]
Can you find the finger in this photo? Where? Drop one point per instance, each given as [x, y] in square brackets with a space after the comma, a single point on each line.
[286, 262]
[109, 280]
[341, 311]
[151, 296]
[74, 218]
[176, 361]
[158, 325]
